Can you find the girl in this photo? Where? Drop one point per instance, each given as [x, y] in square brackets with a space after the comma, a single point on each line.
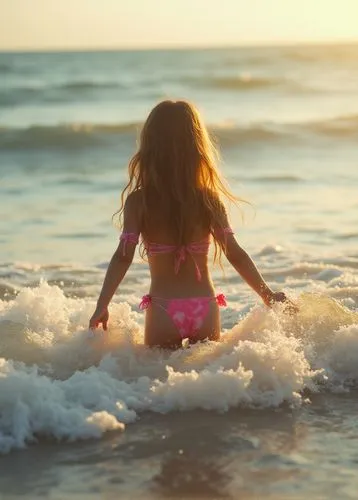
[173, 200]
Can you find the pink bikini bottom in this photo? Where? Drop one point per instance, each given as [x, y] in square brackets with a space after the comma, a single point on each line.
[188, 314]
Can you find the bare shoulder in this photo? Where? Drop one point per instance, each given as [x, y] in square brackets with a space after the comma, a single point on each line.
[134, 201]
[131, 215]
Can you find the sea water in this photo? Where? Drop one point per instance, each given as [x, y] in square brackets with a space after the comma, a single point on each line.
[270, 411]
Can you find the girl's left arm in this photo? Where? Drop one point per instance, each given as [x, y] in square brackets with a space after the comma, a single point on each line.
[119, 263]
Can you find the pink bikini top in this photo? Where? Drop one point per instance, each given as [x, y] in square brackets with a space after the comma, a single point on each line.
[181, 252]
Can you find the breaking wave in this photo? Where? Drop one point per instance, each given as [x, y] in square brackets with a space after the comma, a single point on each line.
[247, 82]
[58, 381]
[87, 135]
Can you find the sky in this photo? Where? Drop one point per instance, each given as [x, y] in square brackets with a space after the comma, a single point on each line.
[100, 24]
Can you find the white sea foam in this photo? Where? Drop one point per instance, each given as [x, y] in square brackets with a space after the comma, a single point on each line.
[57, 381]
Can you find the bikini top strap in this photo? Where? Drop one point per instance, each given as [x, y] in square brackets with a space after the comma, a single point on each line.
[157, 248]
[199, 247]
[196, 247]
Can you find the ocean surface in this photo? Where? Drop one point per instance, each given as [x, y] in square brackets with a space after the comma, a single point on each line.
[271, 410]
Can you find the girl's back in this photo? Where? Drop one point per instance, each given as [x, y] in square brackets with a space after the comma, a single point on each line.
[173, 200]
[174, 267]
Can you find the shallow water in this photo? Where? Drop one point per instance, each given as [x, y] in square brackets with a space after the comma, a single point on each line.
[271, 410]
[242, 453]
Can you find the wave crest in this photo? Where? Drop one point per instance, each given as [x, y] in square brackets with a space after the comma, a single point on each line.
[88, 135]
[243, 82]
[49, 361]
[247, 82]
[73, 135]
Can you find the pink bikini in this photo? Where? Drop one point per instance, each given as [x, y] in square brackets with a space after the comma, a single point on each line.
[187, 314]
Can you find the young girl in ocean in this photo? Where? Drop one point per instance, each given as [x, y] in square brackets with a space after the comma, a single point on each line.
[173, 200]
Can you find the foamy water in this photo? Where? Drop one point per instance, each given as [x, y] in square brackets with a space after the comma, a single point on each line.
[59, 380]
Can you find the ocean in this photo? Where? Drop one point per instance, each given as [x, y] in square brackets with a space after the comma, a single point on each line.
[271, 410]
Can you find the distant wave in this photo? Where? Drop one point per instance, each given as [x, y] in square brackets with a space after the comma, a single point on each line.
[302, 56]
[47, 93]
[72, 136]
[241, 135]
[75, 84]
[248, 82]
[348, 236]
[89, 135]
[70, 90]
[86, 135]
[342, 126]
[243, 82]
[84, 85]
[5, 68]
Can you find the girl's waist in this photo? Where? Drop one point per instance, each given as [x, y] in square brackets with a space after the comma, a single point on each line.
[173, 289]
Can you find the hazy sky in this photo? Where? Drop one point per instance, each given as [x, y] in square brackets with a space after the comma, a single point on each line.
[43, 24]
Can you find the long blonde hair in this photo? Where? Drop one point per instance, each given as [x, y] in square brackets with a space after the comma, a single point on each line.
[175, 171]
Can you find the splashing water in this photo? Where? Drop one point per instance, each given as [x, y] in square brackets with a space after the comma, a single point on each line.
[58, 381]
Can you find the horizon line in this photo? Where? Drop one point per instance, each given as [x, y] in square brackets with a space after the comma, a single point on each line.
[141, 48]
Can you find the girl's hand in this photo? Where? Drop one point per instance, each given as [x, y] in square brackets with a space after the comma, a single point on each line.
[100, 316]
[271, 298]
[277, 297]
